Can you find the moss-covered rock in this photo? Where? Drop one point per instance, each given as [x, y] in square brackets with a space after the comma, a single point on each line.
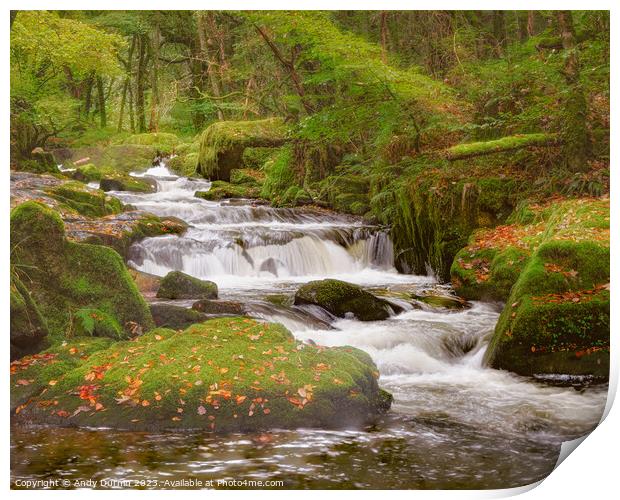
[121, 182]
[222, 190]
[557, 316]
[65, 276]
[85, 201]
[184, 164]
[442, 301]
[178, 285]
[40, 162]
[87, 173]
[219, 307]
[229, 374]
[222, 144]
[255, 158]
[28, 326]
[339, 298]
[246, 176]
[175, 317]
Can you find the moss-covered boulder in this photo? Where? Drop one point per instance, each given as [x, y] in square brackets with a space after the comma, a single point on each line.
[64, 277]
[77, 197]
[556, 320]
[40, 162]
[222, 144]
[247, 176]
[339, 298]
[121, 182]
[28, 326]
[175, 317]
[178, 285]
[224, 375]
[223, 190]
[87, 173]
[219, 307]
[184, 164]
[345, 192]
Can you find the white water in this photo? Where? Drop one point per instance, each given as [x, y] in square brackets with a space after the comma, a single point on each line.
[431, 360]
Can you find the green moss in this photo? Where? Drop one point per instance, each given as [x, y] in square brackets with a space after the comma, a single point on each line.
[184, 164]
[279, 176]
[178, 285]
[122, 182]
[87, 173]
[255, 158]
[339, 298]
[229, 374]
[557, 316]
[41, 162]
[176, 317]
[222, 144]
[96, 323]
[222, 189]
[28, 326]
[116, 158]
[65, 276]
[508, 143]
[90, 202]
[164, 142]
[246, 176]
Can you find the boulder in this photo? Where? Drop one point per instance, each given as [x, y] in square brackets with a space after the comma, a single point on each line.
[557, 317]
[76, 197]
[222, 144]
[223, 375]
[339, 298]
[219, 307]
[65, 276]
[28, 327]
[443, 301]
[120, 182]
[178, 285]
[222, 190]
[175, 317]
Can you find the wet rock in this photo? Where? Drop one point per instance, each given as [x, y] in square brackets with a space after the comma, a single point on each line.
[222, 307]
[339, 298]
[175, 317]
[148, 284]
[223, 190]
[310, 386]
[178, 285]
[444, 301]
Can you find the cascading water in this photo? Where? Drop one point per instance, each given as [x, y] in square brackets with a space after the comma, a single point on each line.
[454, 423]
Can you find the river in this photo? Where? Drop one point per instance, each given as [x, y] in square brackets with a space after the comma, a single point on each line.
[454, 423]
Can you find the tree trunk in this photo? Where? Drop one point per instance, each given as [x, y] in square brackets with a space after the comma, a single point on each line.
[122, 108]
[289, 65]
[154, 122]
[574, 124]
[499, 31]
[207, 55]
[88, 95]
[140, 77]
[101, 99]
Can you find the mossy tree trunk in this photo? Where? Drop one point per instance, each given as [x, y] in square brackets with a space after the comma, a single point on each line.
[101, 99]
[575, 132]
[140, 77]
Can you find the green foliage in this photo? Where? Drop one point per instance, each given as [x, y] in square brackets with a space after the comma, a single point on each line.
[96, 323]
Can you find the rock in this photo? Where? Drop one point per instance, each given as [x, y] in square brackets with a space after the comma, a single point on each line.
[28, 327]
[90, 202]
[65, 276]
[163, 142]
[178, 285]
[119, 182]
[246, 176]
[175, 317]
[220, 307]
[222, 144]
[445, 301]
[557, 317]
[340, 298]
[147, 284]
[309, 386]
[87, 173]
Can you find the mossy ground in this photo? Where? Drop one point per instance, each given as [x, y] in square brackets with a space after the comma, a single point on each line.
[557, 316]
[227, 374]
[64, 276]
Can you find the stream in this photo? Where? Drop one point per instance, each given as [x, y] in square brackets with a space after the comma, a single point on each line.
[454, 423]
